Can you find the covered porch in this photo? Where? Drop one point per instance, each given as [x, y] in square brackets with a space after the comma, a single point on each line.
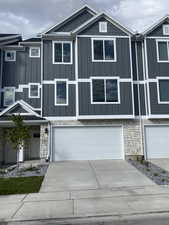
[38, 131]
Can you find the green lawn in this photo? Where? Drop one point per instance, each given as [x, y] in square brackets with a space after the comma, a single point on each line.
[20, 185]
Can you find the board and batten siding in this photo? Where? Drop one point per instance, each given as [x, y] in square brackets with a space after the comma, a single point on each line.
[112, 30]
[158, 32]
[124, 108]
[23, 71]
[74, 23]
[156, 108]
[155, 68]
[53, 71]
[49, 107]
[87, 68]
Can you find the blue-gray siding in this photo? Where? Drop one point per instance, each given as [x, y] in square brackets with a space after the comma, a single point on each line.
[155, 68]
[25, 70]
[111, 29]
[87, 68]
[86, 108]
[53, 71]
[158, 32]
[74, 23]
[155, 107]
[49, 108]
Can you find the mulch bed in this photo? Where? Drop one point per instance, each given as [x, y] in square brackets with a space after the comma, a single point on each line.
[155, 173]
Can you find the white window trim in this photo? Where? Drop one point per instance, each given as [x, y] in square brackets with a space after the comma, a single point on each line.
[30, 52]
[103, 39]
[67, 92]
[37, 84]
[104, 78]
[71, 52]
[158, 90]
[162, 40]
[100, 26]
[5, 88]
[165, 25]
[10, 60]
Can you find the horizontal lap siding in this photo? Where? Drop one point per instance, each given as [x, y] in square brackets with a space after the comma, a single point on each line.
[49, 108]
[86, 108]
[154, 68]
[52, 71]
[87, 68]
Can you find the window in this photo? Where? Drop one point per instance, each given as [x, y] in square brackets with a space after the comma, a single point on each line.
[103, 50]
[103, 27]
[163, 85]
[34, 90]
[10, 56]
[105, 90]
[34, 52]
[9, 96]
[166, 29]
[62, 52]
[61, 92]
[163, 51]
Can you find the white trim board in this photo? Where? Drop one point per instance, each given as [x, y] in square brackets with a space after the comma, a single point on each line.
[103, 39]
[71, 52]
[105, 102]
[67, 93]
[92, 11]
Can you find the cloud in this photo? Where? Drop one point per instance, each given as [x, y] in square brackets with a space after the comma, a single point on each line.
[139, 15]
[33, 16]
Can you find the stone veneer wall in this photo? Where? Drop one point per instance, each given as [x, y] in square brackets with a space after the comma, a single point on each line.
[132, 132]
[43, 142]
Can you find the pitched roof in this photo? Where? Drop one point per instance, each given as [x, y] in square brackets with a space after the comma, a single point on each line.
[76, 13]
[9, 38]
[155, 25]
[35, 39]
[109, 18]
[25, 106]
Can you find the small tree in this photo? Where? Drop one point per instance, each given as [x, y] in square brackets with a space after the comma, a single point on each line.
[18, 135]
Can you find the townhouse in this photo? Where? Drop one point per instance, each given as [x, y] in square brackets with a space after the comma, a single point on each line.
[89, 88]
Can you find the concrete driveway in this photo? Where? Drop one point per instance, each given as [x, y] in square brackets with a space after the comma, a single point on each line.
[91, 175]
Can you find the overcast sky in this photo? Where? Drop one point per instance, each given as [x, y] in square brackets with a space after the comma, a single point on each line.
[29, 17]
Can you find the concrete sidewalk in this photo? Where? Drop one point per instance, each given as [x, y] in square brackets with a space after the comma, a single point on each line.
[85, 203]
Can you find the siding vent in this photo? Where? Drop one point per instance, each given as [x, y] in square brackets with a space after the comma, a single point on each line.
[103, 27]
[166, 29]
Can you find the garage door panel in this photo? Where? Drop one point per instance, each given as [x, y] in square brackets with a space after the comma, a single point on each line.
[87, 143]
[157, 141]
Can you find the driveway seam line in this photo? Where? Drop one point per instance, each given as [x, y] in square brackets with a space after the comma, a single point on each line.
[17, 210]
[94, 172]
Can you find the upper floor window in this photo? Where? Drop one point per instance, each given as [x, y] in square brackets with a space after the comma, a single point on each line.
[9, 96]
[34, 90]
[166, 29]
[10, 56]
[103, 50]
[34, 52]
[62, 52]
[105, 91]
[61, 92]
[163, 85]
[163, 50]
[103, 27]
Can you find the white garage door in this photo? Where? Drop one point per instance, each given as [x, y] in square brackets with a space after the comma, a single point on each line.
[87, 143]
[157, 141]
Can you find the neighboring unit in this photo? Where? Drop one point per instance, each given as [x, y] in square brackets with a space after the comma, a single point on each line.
[90, 89]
